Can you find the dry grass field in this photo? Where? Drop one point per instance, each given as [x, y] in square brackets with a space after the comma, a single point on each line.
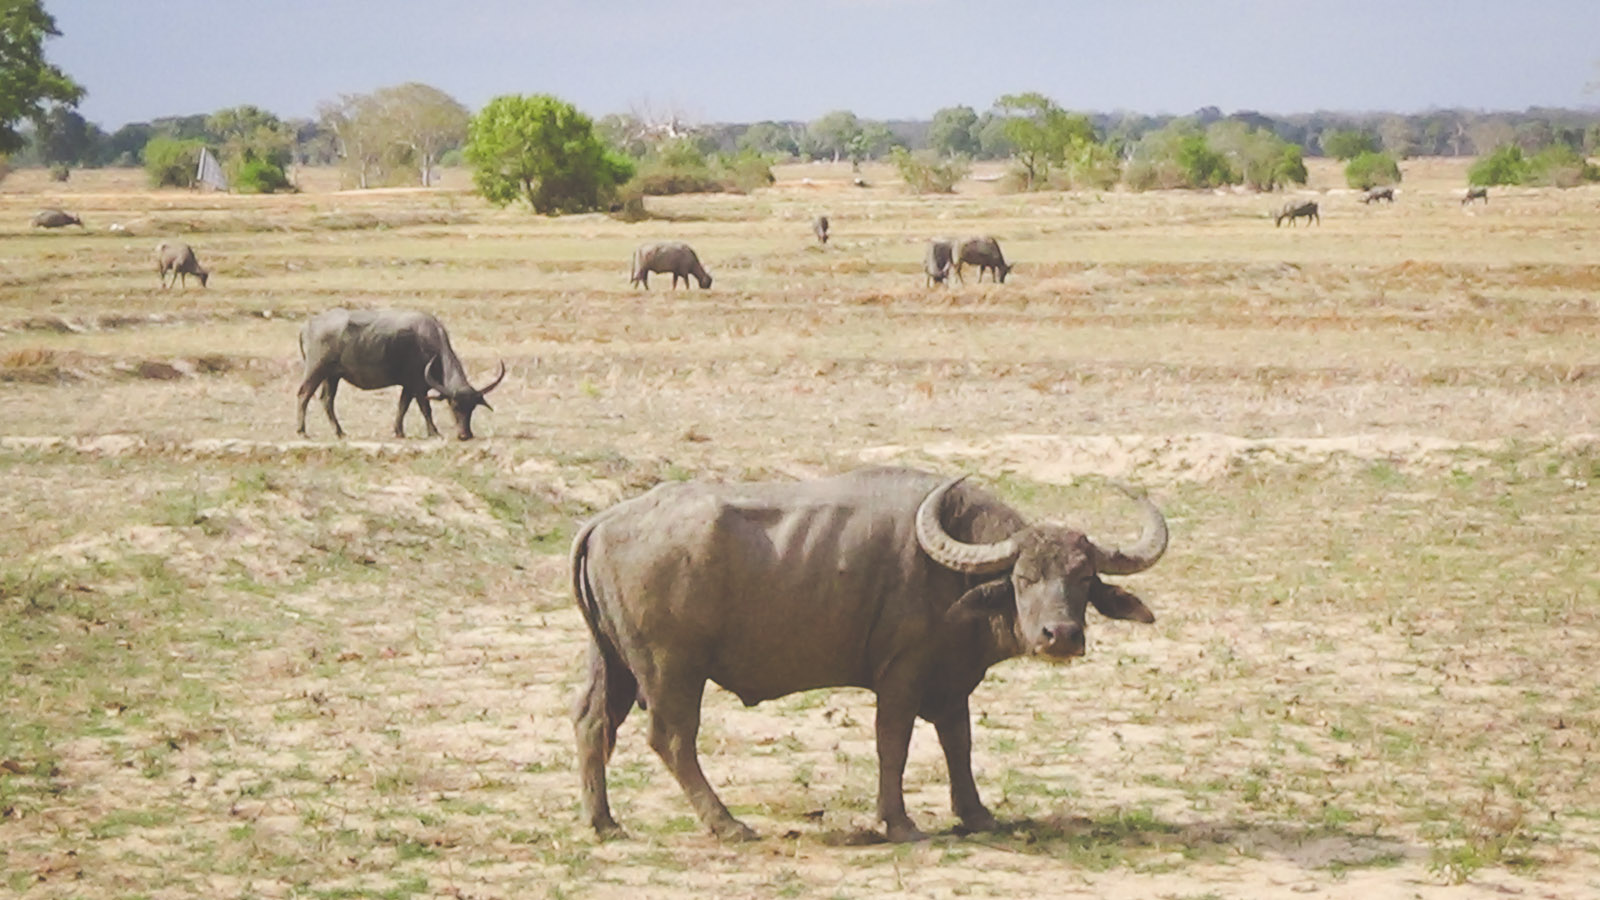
[236, 664]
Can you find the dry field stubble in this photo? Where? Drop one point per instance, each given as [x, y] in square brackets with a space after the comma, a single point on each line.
[234, 664]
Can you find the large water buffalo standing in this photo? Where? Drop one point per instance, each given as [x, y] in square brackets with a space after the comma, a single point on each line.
[819, 227]
[983, 252]
[178, 260]
[380, 348]
[1378, 193]
[675, 257]
[937, 260]
[55, 218]
[902, 582]
[1477, 193]
[1297, 210]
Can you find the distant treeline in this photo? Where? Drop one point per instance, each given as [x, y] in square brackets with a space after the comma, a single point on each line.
[66, 139]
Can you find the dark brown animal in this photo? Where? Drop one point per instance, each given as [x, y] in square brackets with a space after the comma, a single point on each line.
[905, 583]
[936, 261]
[820, 227]
[379, 348]
[178, 260]
[1378, 193]
[675, 257]
[1296, 210]
[55, 218]
[1477, 193]
[983, 252]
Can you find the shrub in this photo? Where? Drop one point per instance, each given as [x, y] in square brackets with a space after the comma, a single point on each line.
[60, 172]
[925, 173]
[170, 162]
[746, 170]
[1369, 170]
[1201, 166]
[253, 175]
[1505, 165]
[1558, 165]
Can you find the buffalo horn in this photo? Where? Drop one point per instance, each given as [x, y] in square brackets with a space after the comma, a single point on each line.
[427, 375]
[497, 379]
[1152, 542]
[972, 559]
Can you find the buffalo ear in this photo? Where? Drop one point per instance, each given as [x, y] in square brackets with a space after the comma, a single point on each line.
[984, 600]
[1115, 603]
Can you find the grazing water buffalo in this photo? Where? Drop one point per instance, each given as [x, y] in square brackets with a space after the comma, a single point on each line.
[1477, 193]
[983, 252]
[820, 227]
[671, 256]
[178, 259]
[1378, 193]
[936, 262]
[905, 583]
[379, 348]
[1296, 210]
[55, 218]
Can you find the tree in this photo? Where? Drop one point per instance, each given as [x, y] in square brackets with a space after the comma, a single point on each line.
[1369, 170]
[832, 134]
[769, 137]
[1505, 165]
[28, 84]
[423, 119]
[256, 147]
[65, 138]
[1043, 134]
[1261, 159]
[1349, 143]
[954, 132]
[542, 150]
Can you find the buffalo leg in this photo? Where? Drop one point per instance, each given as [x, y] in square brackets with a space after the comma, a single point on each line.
[674, 725]
[330, 388]
[314, 379]
[955, 737]
[400, 415]
[896, 716]
[426, 405]
[605, 701]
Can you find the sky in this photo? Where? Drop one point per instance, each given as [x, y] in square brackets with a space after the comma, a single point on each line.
[749, 60]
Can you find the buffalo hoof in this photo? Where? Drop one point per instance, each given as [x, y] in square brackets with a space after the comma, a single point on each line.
[979, 821]
[734, 831]
[904, 834]
[609, 831]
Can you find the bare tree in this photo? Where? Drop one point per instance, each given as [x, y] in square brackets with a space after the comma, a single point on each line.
[405, 126]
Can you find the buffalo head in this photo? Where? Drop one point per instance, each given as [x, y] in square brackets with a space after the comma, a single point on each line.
[462, 400]
[1052, 574]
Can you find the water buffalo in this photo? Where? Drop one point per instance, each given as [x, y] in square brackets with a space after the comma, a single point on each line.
[55, 218]
[671, 256]
[1296, 210]
[819, 226]
[902, 582]
[178, 260]
[983, 252]
[379, 348]
[1477, 193]
[1378, 193]
[936, 262]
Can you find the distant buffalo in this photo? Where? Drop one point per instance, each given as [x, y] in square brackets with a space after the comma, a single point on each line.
[1477, 193]
[1295, 210]
[983, 252]
[936, 262]
[177, 259]
[55, 218]
[380, 348]
[1378, 193]
[820, 227]
[675, 257]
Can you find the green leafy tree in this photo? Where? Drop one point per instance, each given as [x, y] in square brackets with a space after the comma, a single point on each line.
[257, 146]
[1349, 143]
[831, 135]
[1369, 170]
[1043, 134]
[542, 150]
[954, 132]
[1258, 158]
[28, 84]
[769, 138]
[1203, 167]
[65, 138]
[1504, 165]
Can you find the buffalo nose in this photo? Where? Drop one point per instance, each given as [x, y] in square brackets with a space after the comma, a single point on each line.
[1063, 639]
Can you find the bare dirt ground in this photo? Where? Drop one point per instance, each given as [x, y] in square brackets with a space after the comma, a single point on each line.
[237, 664]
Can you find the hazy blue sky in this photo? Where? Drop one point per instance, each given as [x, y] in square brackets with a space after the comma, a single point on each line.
[746, 60]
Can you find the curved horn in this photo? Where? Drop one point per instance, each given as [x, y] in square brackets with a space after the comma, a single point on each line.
[427, 375]
[1152, 542]
[497, 379]
[972, 559]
